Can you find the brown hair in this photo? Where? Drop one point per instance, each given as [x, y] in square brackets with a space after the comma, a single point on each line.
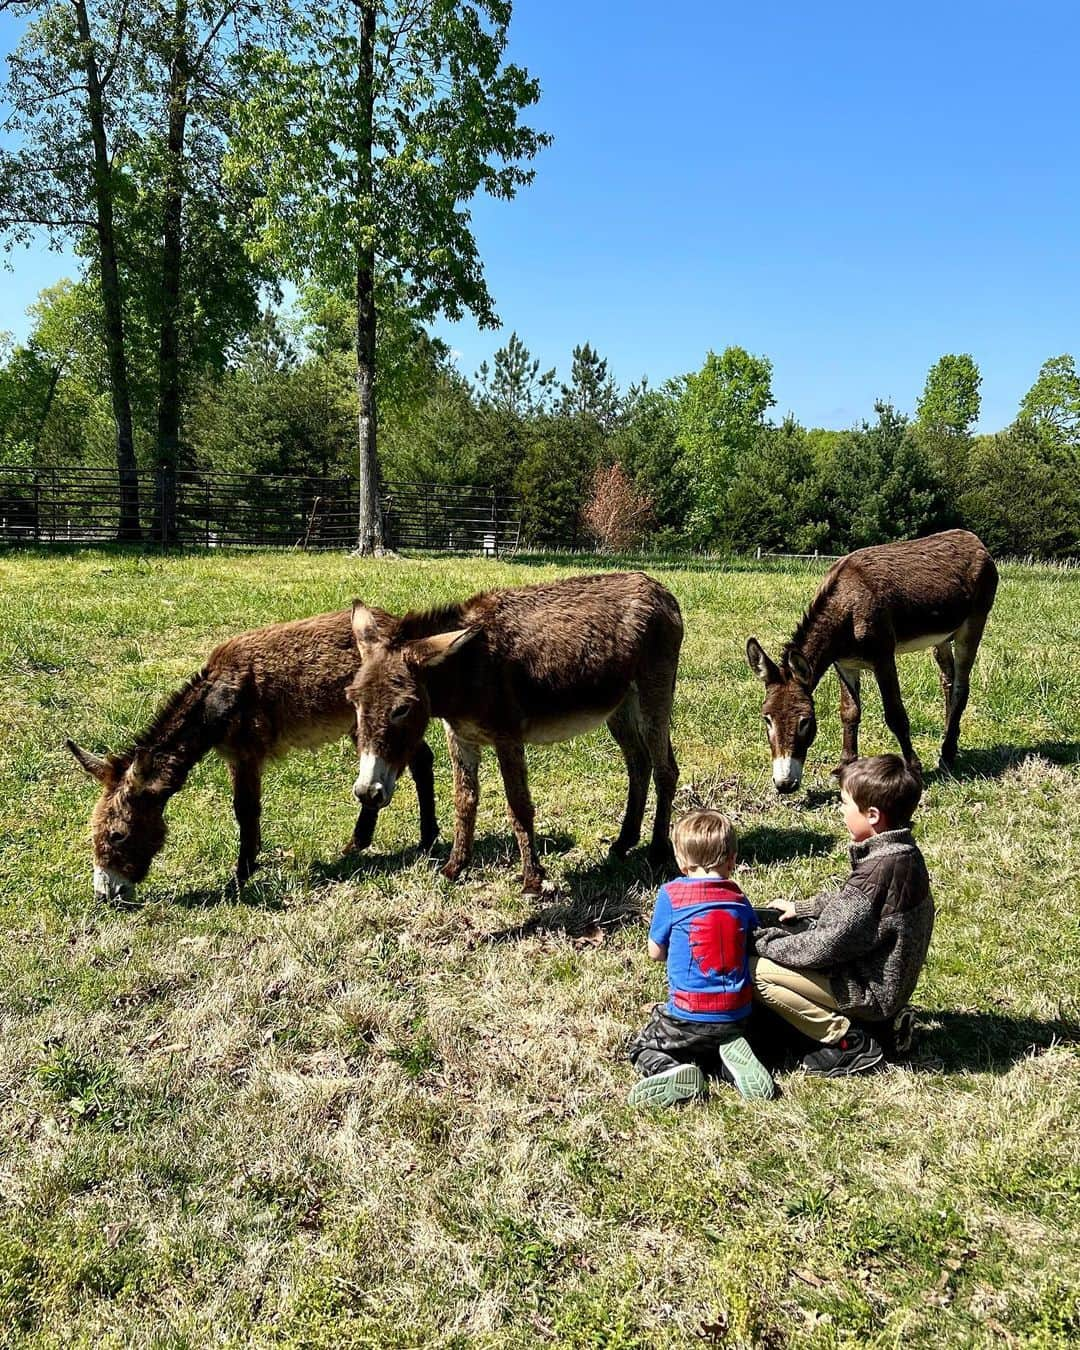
[703, 839]
[884, 781]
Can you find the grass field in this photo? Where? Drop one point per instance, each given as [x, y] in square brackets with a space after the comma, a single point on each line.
[365, 1107]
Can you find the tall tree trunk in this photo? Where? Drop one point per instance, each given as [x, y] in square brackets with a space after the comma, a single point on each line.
[168, 419]
[111, 297]
[369, 525]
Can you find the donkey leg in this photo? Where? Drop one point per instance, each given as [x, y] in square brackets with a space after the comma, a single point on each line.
[465, 758]
[896, 718]
[656, 700]
[946, 664]
[850, 713]
[422, 768]
[246, 775]
[626, 727]
[519, 807]
[965, 647]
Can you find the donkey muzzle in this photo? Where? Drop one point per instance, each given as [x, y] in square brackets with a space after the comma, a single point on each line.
[112, 886]
[787, 774]
[375, 781]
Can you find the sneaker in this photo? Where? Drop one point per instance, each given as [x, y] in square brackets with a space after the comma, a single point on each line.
[748, 1073]
[857, 1052]
[679, 1084]
[903, 1031]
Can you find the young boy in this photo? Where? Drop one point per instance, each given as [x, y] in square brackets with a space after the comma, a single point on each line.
[863, 947]
[700, 926]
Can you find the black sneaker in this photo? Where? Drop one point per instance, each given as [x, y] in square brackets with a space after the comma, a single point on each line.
[857, 1052]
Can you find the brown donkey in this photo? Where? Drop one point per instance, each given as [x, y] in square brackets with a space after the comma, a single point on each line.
[876, 602]
[259, 695]
[535, 664]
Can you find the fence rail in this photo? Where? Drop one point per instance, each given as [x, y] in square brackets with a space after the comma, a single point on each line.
[219, 510]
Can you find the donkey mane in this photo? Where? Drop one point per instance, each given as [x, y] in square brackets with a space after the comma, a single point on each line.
[421, 623]
[165, 720]
[805, 624]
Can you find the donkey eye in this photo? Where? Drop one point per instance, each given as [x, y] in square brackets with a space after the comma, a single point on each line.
[804, 725]
[117, 836]
[768, 721]
[400, 713]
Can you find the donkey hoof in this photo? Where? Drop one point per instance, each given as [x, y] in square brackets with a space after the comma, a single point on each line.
[428, 841]
[620, 848]
[453, 870]
[662, 855]
[536, 885]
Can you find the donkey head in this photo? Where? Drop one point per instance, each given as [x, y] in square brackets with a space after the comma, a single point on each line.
[391, 699]
[788, 711]
[128, 822]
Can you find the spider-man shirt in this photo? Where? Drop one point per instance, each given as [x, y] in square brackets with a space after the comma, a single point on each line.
[704, 923]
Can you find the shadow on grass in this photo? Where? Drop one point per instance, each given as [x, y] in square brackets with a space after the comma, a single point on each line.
[984, 1042]
[995, 760]
[605, 895]
[769, 843]
[257, 893]
[498, 851]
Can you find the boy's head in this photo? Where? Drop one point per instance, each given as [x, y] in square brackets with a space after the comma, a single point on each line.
[878, 793]
[704, 840]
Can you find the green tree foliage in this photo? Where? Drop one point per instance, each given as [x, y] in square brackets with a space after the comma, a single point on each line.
[645, 441]
[1022, 495]
[880, 485]
[950, 398]
[776, 499]
[1052, 405]
[370, 131]
[591, 391]
[720, 411]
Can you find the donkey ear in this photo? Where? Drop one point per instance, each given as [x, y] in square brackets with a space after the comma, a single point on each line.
[94, 765]
[364, 626]
[760, 663]
[800, 668]
[432, 651]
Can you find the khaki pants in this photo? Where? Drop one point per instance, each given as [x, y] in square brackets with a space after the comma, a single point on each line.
[802, 997]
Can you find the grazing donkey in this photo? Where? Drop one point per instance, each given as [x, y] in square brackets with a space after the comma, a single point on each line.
[508, 668]
[933, 592]
[259, 695]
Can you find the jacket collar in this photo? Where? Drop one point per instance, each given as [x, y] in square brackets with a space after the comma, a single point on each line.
[888, 841]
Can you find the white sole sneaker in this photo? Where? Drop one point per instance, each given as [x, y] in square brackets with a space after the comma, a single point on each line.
[751, 1077]
[679, 1084]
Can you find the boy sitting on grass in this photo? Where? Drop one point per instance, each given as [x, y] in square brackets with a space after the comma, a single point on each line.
[862, 950]
[700, 926]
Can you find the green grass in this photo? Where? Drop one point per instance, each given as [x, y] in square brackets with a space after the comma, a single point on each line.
[363, 1107]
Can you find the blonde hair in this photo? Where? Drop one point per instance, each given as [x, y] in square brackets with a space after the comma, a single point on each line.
[703, 839]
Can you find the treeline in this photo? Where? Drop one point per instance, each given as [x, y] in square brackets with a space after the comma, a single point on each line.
[694, 463]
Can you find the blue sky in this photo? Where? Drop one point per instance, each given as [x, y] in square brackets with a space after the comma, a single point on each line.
[849, 189]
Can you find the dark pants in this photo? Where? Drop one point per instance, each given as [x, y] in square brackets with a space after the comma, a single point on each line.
[666, 1041]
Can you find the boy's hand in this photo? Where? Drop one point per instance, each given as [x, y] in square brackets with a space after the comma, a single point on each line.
[786, 910]
[656, 951]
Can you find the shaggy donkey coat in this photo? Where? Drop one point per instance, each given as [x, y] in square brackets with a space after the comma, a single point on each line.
[875, 603]
[507, 668]
[259, 695]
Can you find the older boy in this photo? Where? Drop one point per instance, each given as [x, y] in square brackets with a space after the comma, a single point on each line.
[700, 927]
[862, 950]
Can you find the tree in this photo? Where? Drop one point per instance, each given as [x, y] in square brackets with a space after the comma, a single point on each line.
[721, 408]
[617, 514]
[69, 92]
[591, 391]
[946, 414]
[1052, 404]
[776, 499]
[646, 442]
[1022, 496]
[950, 398]
[513, 384]
[369, 134]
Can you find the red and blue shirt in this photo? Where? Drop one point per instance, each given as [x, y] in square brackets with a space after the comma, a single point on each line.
[705, 923]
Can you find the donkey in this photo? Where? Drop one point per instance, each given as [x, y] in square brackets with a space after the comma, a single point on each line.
[259, 695]
[933, 592]
[531, 665]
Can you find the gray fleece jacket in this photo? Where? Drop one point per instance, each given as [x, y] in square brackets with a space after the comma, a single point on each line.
[871, 937]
